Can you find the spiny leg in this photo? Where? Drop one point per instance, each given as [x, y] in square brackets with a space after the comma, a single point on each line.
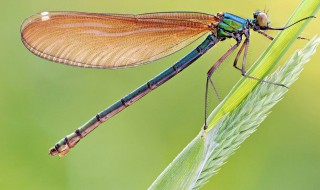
[243, 69]
[265, 34]
[209, 74]
[271, 38]
[237, 57]
[303, 38]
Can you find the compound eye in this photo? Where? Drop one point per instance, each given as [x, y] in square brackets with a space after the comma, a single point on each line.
[255, 14]
[262, 19]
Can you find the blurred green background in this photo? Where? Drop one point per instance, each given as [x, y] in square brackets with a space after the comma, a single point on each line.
[41, 102]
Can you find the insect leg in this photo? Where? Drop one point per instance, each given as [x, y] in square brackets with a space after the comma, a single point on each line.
[209, 74]
[265, 34]
[243, 69]
[271, 38]
[237, 57]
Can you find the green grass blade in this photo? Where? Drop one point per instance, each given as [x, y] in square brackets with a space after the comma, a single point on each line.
[180, 174]
[196, 163]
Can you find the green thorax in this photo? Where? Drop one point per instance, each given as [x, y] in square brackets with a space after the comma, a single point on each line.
[231, 23]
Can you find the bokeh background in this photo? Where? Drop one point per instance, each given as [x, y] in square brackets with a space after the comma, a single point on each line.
[41, 102]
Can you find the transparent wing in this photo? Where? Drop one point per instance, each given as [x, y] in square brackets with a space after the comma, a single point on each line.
[111, 40]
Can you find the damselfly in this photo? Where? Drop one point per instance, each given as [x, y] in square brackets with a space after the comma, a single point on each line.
[122, 40]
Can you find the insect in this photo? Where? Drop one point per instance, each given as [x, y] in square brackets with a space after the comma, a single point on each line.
[124, 40]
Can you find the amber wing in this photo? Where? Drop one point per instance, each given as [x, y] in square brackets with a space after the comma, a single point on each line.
[111, 40]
